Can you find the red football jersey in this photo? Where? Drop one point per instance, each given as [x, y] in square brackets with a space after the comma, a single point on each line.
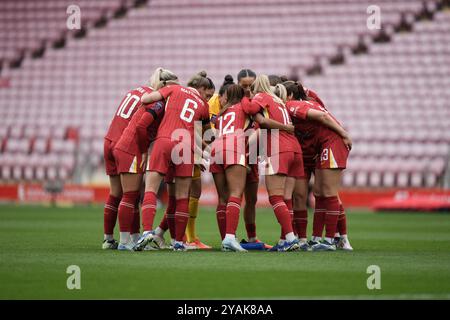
[309, 132]
[152, 130]
[135, 141]
[184, 106]
[129, 105]
[277, 112]
[236, 117]
[305, 130]
[233, 122]
[312, 95]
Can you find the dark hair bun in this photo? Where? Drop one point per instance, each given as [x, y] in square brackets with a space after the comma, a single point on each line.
[228, 79]
[202, 74]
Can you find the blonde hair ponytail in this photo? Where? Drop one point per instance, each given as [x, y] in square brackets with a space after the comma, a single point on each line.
[162, 77]
[280, 91]
[262, 84]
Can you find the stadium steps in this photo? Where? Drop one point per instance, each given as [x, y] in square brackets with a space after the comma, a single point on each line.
[393, 102]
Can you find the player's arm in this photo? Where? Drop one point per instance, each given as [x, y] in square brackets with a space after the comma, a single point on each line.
[254, 108]
[199, 136]
[151, 97]
[205, 128]
[208, 139]
[150, 115]
[325, 119]
[267, 123]
[206, 125]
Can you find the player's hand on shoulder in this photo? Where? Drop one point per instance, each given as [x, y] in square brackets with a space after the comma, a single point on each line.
[348, 141]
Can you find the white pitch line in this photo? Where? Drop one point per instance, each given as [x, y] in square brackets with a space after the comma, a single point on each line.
[418, 296]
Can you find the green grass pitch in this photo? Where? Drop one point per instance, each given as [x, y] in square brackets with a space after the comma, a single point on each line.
[39, 243]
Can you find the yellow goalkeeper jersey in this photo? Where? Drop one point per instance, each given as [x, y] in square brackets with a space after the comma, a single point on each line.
[214, 107]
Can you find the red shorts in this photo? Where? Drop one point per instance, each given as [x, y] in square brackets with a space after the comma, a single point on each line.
[333, 155]
[235, 158]
[286, 163]
[169, 177]
[223, 160]
[110, 161]
[129, 163]
[160, 159]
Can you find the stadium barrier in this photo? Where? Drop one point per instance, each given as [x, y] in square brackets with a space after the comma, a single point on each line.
[413, 201]
[377, 199]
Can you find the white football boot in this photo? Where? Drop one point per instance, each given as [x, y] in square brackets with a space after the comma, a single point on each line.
[129, 246]
[157, 243]
[231, 244]
[146, 237]
[324, 245]
[110, 244]
[344, 244]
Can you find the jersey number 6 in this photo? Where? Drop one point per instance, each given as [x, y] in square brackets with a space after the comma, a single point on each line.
[187, 113]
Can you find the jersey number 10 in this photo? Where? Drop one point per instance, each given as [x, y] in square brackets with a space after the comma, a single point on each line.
[128, 105]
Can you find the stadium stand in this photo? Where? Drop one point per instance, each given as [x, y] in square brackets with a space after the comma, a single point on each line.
[62, 87]
[28, 25]
[394, 103]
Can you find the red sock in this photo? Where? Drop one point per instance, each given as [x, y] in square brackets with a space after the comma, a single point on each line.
[126, 210]
[291, 215]
[171, 204]
[301, 222]
[172, 225]
[110, 214]
[181, 218]
[251, 230]
[168, 222]
[136, 225]
[331, 217]
[342, 221]
[148, 210]
[221, 215]
[171, 208]
[319, 217]
[282, 213]
[233, 211]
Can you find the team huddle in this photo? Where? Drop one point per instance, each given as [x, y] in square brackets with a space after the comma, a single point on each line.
[260, 126]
